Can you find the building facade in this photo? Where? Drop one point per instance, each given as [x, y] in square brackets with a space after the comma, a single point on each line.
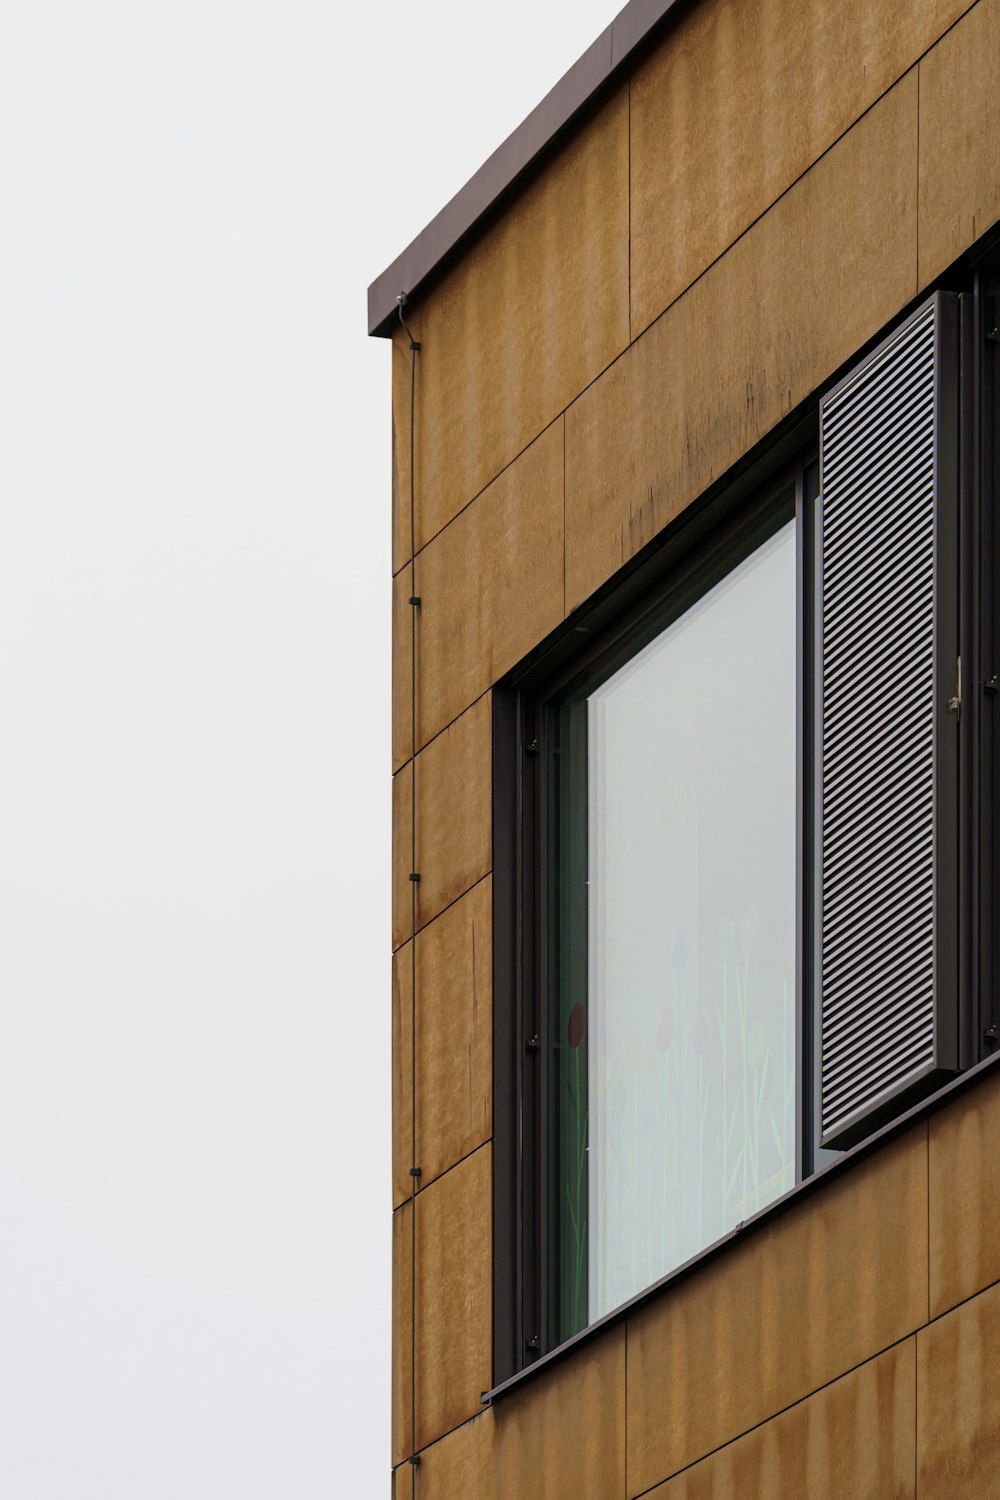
[695, 1177]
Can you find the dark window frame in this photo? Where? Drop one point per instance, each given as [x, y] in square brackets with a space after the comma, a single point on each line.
[702, 545]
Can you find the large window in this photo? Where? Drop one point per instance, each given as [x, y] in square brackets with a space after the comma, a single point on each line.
[743, 900]
[673, 1032]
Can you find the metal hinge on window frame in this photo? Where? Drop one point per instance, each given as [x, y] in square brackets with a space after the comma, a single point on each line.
[955, 703]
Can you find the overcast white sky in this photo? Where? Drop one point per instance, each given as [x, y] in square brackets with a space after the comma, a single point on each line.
[194, 736]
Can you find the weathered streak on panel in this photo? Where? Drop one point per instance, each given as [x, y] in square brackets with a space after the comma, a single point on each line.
[490, 588]
[454, 1041]
[965, 1196]
[958, 1402]
[854, 1438]
[454, 819]
[823, 1288]
[735, 104]
[563, 1436]
[959, 139]
[454, 1323]
[527, 318]
[402, 1344]
[796, 297]
[460, 1465]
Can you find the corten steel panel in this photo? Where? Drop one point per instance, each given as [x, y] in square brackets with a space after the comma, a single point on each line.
[527, 318]
[959, 138]
[457, 1467]
[401, 1332]
[854, 1438]
[454, 1331]
[789, 303]
[563, 1437]
[833, 1282]
[958, 1402]
[736, 103]
[490, 587]
[454, 1041]
[965, 1196]
[454, 1295]
[454, 819]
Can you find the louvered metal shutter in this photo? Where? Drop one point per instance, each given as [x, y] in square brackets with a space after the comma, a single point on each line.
[887, 634]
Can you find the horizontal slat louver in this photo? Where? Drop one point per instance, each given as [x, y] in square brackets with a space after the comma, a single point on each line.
[886, 740]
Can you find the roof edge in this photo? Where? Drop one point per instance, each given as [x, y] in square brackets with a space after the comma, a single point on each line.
[591, 72]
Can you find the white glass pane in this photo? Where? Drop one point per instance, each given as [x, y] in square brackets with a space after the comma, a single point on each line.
[691, 917]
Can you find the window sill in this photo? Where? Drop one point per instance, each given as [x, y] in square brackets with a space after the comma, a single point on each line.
[867, 1147]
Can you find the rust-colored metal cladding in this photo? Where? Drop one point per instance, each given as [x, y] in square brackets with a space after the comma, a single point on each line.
[514, 332]
[965, 1197]
[958, 1401]
[453, 835]
[453, 1342]
[454, 1334]
[723, 121]
[824, 1288]
[459, 1464]
[854, 1437]
[402, 1330]
[454, 1018]
[959, 138]
[701, 387]
[490, 586]
[565, 1437]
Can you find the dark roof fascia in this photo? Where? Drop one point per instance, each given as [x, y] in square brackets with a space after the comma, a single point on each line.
[585, 81]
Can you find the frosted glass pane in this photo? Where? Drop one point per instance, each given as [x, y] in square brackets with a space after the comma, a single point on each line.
[690, 1049]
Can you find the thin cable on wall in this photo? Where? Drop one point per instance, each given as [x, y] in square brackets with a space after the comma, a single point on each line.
[414, 882]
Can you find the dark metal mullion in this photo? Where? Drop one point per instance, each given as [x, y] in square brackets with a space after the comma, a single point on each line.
[987, 420]
[803, 841]
[531, 1043]
[950, 734]
[546, 843]
[814, 1013]
[519, 1067]
[694, 573]
[507, 1079]
[813, 1155]
[970, 720]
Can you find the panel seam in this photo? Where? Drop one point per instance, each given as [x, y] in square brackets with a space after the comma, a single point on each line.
[444, 729]
[442, 1437]
[780, 1412]
[928, 1221]
[628, 205]
[914, 1334]
[564, 425]
[447, 907]
[445, 1172]
[633, 338]
[916, 284]
[916, 1417]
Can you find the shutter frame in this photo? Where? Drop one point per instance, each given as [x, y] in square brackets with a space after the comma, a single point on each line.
[887, 812]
